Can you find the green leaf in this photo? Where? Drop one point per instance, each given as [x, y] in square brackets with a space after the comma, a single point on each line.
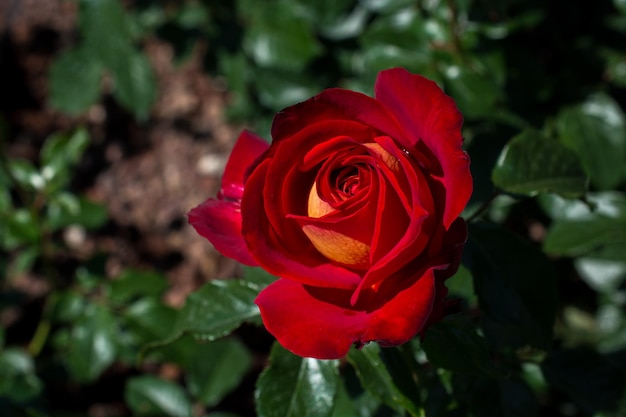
[375, 378]
[580, 227]
[323, 13]
[604, 269]
[24, 260]
[610, 324]
[193, 16]
[576, 237]
[18, 380]
[606, 203]
[380, 57]
[462, 284]
[58, 154]
[61, 150]
[616, 67]
[510, 397]
[257, 277]
[75, 80]
[133, 283]
[438, 398]
[387, 6]
[68, 306]
[216, 309]
[92, 343]
[65, 209]
[532, 163]
[344, 405]
[292, 386]
[455, 346]
[476, 93]
[106, 30]
[596, 131]
[344, 27]
[20, 228]
[150, 319]
[217, 368]
[404, 29]
[516, 287]
[108, 33]
[277, 37]
[135, 83]
[150, 396]
[278, 90]
[25, 173]
[402, 365]
[236, 70]
[595, 382]
[6, 201]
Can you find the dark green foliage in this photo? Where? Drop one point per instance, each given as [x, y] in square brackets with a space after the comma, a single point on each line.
[539, 323]
[293, 386]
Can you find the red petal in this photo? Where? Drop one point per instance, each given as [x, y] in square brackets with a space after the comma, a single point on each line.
[220, 222]
[453, 242]
[320, 323]
[427, 114]
[416, 234]
[247, 149]
[334, 104]
[290, 255]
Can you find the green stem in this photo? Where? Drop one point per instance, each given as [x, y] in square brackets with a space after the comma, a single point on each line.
[39, 338]
[43, 328]
[483, 207]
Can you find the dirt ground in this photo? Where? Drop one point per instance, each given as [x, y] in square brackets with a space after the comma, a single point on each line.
[147, 174]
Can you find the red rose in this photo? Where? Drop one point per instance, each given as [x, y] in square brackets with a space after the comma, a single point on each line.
[355, 207]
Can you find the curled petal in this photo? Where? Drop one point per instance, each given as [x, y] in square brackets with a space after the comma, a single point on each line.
[247, 149]
[428, 115]
[220, 222]
[321, 323]
[290, 255]
[335, 104]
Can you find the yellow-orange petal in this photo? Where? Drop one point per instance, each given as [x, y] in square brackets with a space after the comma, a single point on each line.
[339, 247]
[385, 156]
[334, 245]
[316, 206]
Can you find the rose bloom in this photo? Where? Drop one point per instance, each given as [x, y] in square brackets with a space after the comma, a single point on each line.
[355, 207]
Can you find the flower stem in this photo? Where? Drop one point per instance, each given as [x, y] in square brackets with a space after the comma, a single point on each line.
[483, 207]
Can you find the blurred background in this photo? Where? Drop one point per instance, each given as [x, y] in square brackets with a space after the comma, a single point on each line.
[116, 118]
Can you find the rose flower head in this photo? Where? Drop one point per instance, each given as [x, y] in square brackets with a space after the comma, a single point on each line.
[355, 208]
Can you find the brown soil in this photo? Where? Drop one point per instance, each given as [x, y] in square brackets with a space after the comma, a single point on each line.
[149, 175]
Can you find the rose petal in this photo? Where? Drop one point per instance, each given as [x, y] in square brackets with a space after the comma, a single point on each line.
[427, 114]
[346, 239]
[220, 222]
[287, 189]
[320, 323]
[247, 149]
[334, 104]
[416, 235]
[453, 241]
[294, 257]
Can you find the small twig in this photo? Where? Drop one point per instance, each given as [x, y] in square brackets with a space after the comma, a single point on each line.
[42, 331]
[483, 207]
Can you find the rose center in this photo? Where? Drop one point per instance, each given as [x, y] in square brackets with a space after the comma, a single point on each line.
[336, 238]
[334, 245]
[347, 180]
